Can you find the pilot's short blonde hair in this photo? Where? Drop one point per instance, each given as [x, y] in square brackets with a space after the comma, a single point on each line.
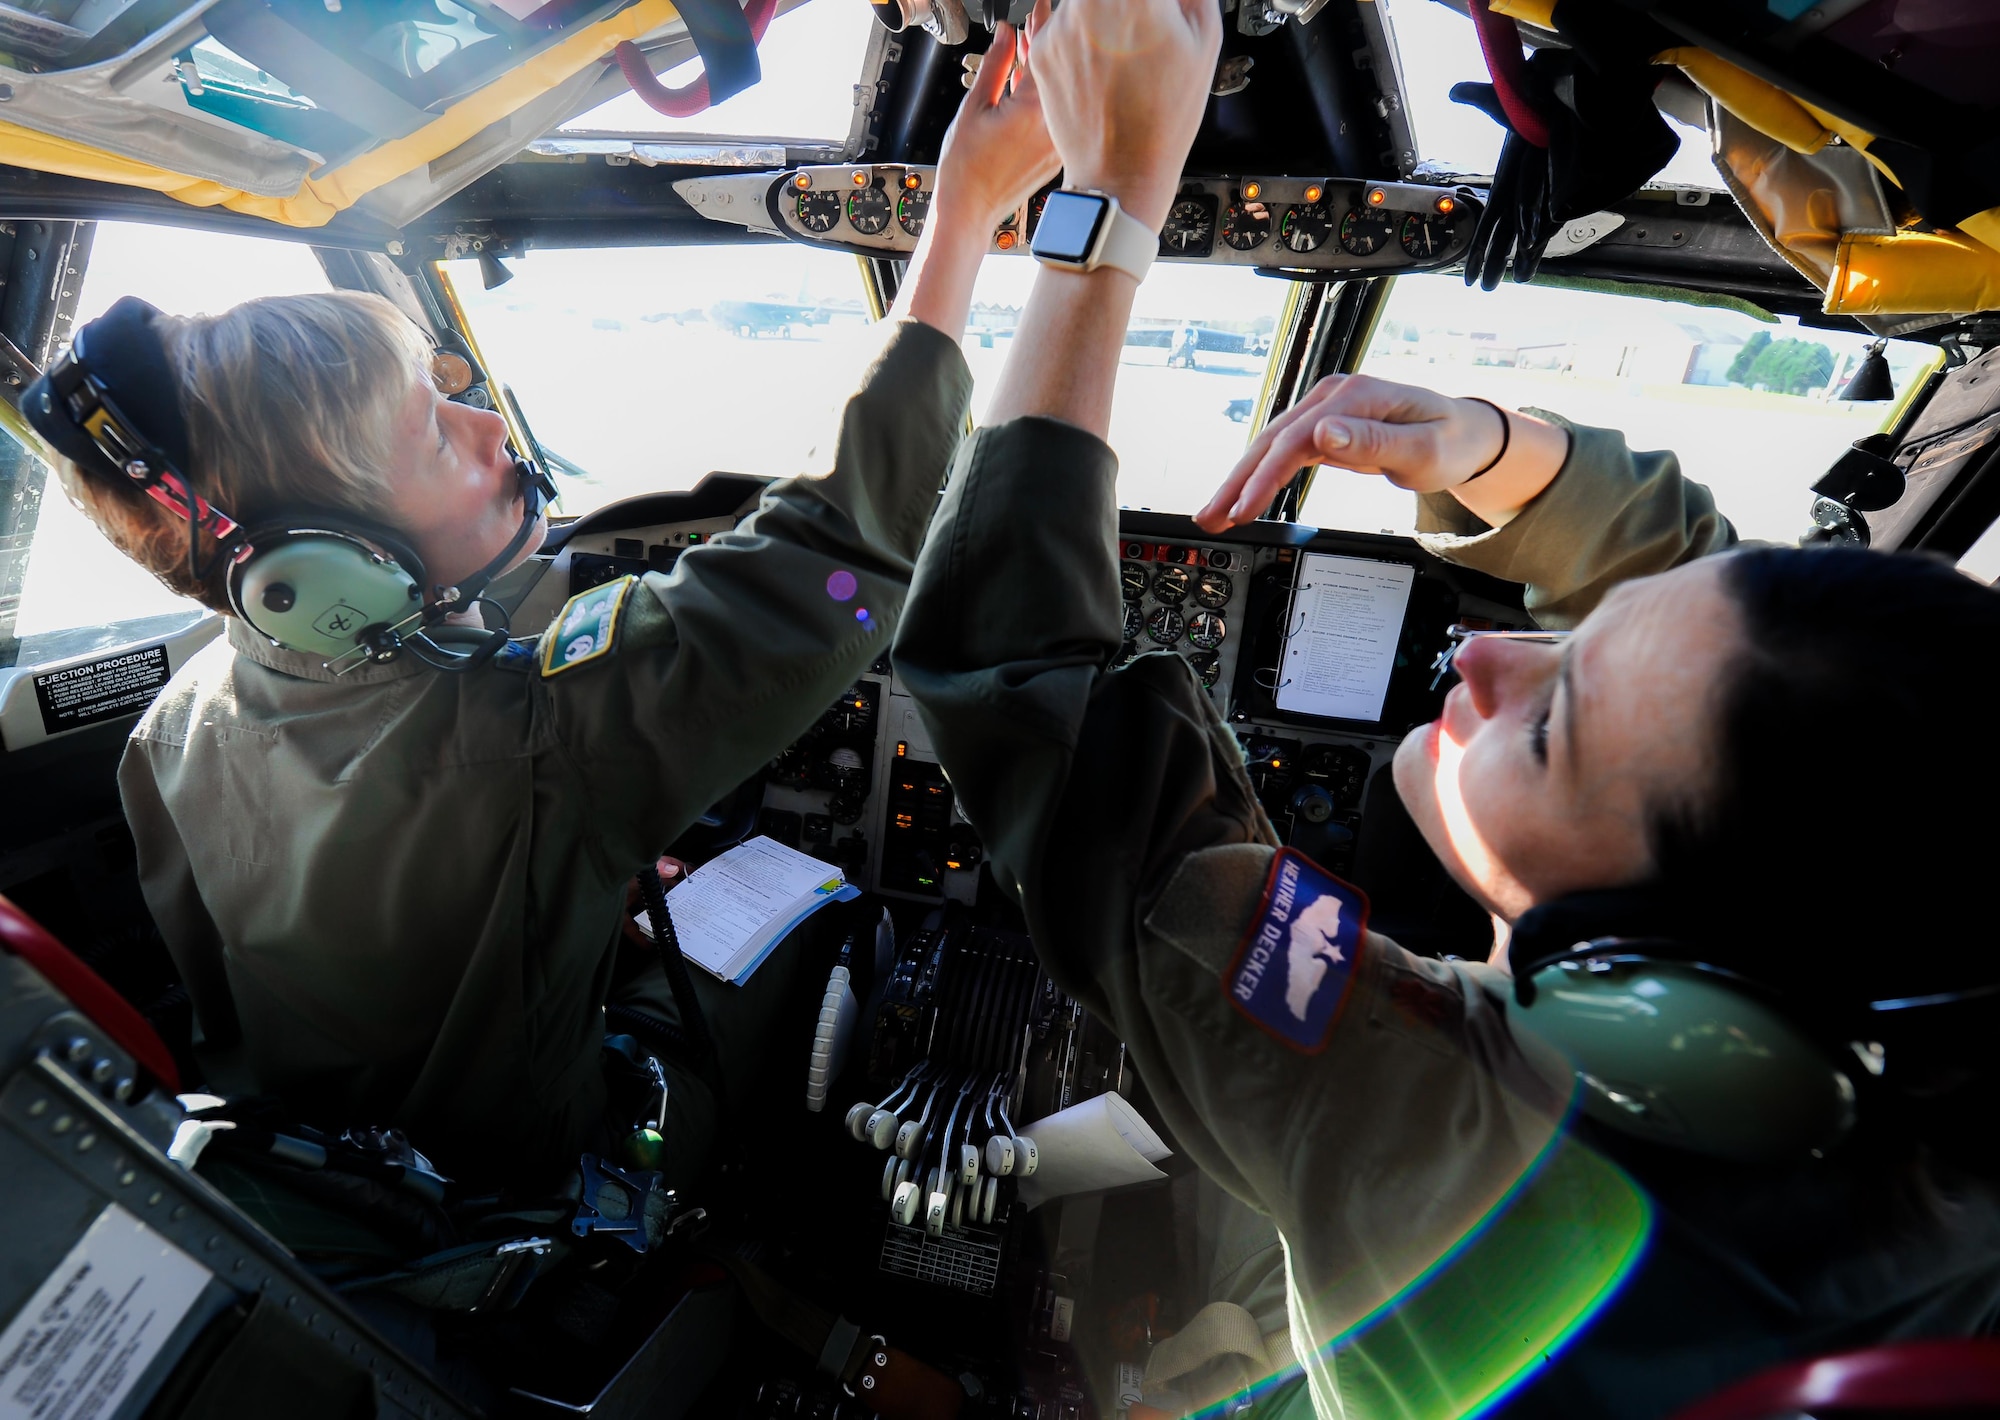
[292, 403]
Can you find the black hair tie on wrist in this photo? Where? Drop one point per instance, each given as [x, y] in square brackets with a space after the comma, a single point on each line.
[1506, 438]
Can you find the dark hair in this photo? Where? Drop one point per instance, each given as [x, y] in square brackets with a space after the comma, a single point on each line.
[1847, 853]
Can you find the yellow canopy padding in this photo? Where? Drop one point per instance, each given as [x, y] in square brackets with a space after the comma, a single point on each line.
[1540, 13]
[1765, 107]
[320, 199]
[1911, 273]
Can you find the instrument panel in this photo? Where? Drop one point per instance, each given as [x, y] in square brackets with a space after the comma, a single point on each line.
[1281, 224]
[863, 787]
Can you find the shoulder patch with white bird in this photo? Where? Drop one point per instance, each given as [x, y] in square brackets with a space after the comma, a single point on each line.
[1293, 972]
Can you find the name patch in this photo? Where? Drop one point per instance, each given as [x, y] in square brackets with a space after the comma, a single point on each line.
[1292, 973]
[587, 628]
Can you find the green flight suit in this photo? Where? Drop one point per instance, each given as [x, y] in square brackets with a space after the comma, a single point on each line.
[394, 896]
[1114, 803]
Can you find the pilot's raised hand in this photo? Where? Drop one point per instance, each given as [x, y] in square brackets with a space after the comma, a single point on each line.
[1492, 460]
[997, 150]
[1124, 84]
[996, 153]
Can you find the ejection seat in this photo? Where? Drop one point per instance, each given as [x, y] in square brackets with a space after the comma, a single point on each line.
[132, 1284]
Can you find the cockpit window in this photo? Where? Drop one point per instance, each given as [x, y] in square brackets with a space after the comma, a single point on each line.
[1188, 385]
[1752, 407]
[73, 592]
[644, 369]
[1436, 47]
[812, 60]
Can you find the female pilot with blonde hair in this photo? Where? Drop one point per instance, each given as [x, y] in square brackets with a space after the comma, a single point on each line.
[395, 894]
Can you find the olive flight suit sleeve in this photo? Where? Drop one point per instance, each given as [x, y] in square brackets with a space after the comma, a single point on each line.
[667, 692]
[1115, 804]
[1611, 514]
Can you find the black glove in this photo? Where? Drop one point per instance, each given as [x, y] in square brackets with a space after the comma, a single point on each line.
[1513, 222]
[1605, 137]
[1605, 140]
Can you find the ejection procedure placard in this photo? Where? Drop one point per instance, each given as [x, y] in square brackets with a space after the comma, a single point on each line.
[104, 689]
[1340, 644]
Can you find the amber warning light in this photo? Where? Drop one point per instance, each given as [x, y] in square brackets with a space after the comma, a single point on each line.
[1447, 205]
[802, 182]
[1377, 196]
[913, 181]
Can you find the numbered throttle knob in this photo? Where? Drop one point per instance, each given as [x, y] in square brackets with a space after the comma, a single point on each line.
[857, 1120]
[882, 1125]
[968, 1165]
[1026, 1156]
[1000, 1155]
[903, 1207]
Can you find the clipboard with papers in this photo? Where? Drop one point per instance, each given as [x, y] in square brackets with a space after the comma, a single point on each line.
[733, 910]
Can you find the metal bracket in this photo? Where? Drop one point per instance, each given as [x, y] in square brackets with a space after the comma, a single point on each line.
[616, 1203]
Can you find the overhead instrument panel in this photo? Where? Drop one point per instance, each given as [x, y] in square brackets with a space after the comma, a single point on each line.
[1282, 224]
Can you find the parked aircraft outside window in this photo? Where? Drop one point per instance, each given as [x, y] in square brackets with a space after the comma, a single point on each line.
[645, 369]
[1199, 342]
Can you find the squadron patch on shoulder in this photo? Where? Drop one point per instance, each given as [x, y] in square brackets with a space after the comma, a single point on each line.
[1292, 974]
[587, 628]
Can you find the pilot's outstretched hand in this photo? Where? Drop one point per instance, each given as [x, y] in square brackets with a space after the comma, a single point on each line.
[997, 150]
[1416, 438]
[1124, 84]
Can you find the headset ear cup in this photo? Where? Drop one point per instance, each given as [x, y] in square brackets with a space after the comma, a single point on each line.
[316, 587]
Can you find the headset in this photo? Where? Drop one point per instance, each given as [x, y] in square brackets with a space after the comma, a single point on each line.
[319, 582]
[1673, 1049]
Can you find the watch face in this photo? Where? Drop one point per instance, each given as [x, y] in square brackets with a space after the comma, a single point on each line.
[1069, 226]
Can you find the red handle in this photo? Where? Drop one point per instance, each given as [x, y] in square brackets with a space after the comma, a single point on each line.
[1500, 42]
[1905, 1379]
[88, 992]
[691, 99]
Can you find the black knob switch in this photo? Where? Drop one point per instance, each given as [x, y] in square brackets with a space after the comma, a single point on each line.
[1313, 803]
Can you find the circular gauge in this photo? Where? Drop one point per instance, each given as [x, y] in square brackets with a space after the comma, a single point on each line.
[1246, 225]
[1212, 589]
[911, 210]
[1035, 206]
[868, 211]
[1172, 585]
[1135, 621]
[1427, 238]
[1306, 226]
[817, 211]
[1190, 227]
[1206, 629]
[1207, 665]
[1132, 580]
[1165, 626]
[1363, 231]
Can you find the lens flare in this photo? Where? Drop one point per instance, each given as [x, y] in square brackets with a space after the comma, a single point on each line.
[841, 586]
[1499, 1303]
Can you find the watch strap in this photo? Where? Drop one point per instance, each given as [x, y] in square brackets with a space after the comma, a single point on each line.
[1129, 245]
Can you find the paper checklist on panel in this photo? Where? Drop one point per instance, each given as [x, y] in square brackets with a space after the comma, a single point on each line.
[733, 910]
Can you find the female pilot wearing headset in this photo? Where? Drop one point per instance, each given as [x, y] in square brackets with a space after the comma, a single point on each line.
[395, 894]
[1768, 761]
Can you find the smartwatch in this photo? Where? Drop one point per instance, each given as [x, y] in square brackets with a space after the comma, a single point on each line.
[1082, 231]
